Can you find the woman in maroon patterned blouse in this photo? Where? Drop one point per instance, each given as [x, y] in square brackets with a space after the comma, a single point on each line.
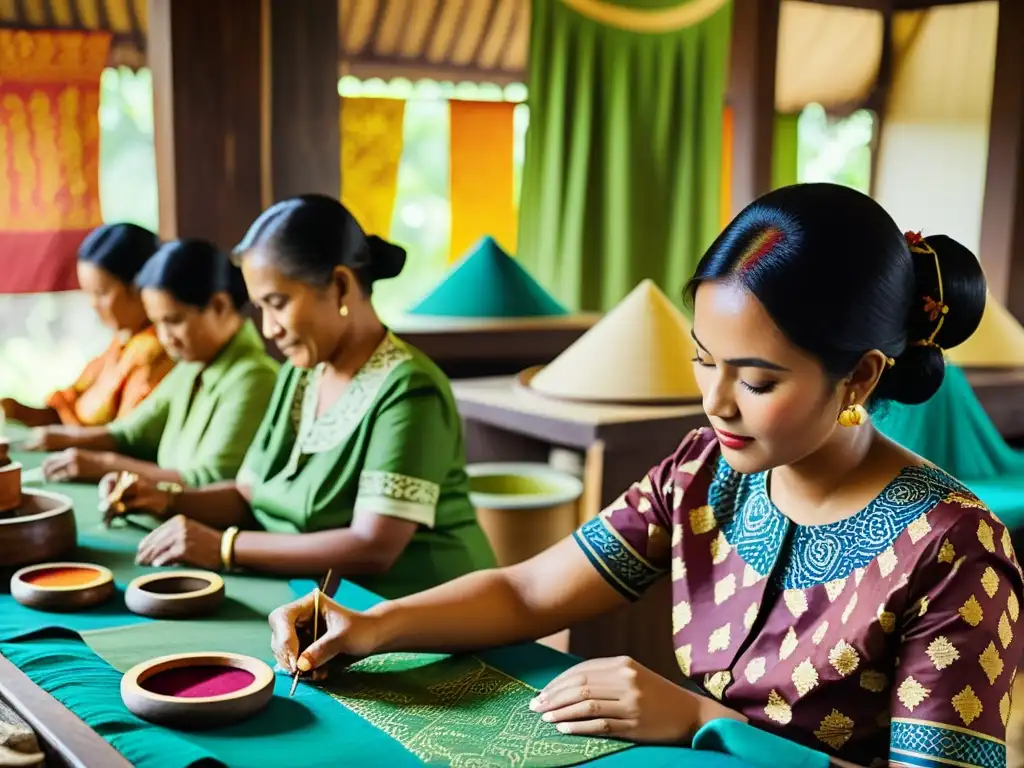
[829, 586]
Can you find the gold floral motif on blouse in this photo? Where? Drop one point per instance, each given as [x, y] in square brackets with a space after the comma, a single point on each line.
[971, 611]
[967, 705]
[942, 652]
[991, 663]
[911, 693]
[835, 730]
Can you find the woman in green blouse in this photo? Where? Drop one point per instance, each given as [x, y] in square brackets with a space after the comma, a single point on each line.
[198, 423]
[359, 464]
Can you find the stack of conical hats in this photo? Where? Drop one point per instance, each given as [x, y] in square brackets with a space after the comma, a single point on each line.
[998, 342]
[488, 283]
[640, 352]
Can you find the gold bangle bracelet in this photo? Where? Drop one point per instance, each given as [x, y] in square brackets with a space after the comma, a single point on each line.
[227, 547]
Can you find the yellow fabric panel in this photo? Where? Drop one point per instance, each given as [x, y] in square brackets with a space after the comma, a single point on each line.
[481, 175]
[49, 129]
[371, 149]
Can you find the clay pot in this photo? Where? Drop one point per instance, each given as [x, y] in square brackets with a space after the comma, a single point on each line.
[41, 529]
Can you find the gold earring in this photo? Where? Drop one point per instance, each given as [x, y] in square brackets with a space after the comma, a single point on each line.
[343, 311]
[852, 415]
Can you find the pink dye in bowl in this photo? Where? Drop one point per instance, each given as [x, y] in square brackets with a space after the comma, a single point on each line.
[198, 682]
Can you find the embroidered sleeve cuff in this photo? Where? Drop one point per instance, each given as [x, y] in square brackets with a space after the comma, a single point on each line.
[931, 745]
[396, 495]
[620, 564]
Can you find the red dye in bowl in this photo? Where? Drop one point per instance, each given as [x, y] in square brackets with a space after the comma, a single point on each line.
[61, 576]
[198, 682]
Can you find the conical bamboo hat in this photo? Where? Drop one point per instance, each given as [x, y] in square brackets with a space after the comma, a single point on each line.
[998, 342]
[639, 352]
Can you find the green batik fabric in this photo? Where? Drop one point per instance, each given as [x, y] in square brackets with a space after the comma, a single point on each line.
[623, 168]
[392, 445]
[459, 711]
[952, 431]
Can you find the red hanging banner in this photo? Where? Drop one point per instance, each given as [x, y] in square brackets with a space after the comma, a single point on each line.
[49, 154]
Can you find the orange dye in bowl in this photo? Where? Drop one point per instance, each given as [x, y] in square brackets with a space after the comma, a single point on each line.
[61, 576]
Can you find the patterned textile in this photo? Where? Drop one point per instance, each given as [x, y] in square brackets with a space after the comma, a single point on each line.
[891, 635]
[459, 711]
[115, 382]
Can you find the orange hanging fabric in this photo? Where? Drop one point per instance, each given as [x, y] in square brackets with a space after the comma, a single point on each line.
[481, 157]
[49, 154]
[726, 195]
[371, 150]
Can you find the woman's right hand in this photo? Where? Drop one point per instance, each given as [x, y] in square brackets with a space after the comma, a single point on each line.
[340, 633]
[141, 496]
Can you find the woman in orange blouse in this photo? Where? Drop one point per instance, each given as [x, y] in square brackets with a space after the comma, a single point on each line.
[119, 379]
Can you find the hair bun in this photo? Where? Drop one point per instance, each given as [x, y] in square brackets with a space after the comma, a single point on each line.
[386, 259]
[916, 375]
[951, 292]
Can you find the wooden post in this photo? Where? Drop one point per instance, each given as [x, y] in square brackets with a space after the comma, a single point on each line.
[245, 109]
[306, 151]
[755, 40]
[205, 58]
[1002, 221]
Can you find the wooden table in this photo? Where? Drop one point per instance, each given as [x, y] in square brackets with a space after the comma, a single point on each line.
[618, 444]
[472, 347]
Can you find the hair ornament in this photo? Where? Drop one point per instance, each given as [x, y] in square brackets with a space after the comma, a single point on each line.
[936, 309]
[889, 362]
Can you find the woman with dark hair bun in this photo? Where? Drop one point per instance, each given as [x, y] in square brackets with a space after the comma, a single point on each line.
[199, 422]
[828, 585]
[359, 465]
[123, 376]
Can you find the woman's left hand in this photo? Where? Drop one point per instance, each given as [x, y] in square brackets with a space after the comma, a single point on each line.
[76, 464]
[181, 541]
[621, 699]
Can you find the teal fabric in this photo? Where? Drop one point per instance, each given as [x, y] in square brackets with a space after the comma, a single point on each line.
[759, 748]
[953, 432]
[311, 729]
[77, 656]
[488, 283]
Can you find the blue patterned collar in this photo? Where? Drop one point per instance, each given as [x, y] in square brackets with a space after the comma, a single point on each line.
[820, 553]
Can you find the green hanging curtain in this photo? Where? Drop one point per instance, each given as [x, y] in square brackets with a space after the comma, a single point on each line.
[623, 157]
[785, 146]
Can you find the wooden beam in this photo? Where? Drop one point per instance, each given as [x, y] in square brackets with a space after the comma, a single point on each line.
[755, 39]
[1002, 221]
[305, 141]
[205, 57]
[245, 108]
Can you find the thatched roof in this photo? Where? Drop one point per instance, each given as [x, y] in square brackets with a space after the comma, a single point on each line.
[828, 53]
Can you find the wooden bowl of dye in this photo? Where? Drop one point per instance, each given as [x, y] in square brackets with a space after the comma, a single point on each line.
[41, 529]
[175, 594]
[198, 690]
[62, 586]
